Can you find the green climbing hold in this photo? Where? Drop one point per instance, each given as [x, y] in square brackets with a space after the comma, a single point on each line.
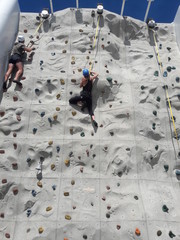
[168, 69]
[156, 73]
[165, 208]
[173, 68]
[171, 234]
[177, 79]
[109, 79]
[166, 167]
[158, 99]
[156, 147]
[82, 134]
[155, 113]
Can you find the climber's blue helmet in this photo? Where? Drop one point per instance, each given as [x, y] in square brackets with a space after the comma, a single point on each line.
[85, 72]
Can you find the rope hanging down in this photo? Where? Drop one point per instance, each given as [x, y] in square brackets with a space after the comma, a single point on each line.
[167, 95]
[94, 44]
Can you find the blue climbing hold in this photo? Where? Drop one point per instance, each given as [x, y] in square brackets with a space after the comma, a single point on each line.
[42, 114]
[165, 74]
[177, 172]
[29, 212]
[58, 149]
[34, 193]
[34, 130]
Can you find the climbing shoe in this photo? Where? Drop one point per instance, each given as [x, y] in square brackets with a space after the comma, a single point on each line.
[18, 83]
[95, 123]
[4, 86]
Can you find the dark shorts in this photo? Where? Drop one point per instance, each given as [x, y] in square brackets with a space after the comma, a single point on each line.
[15, 59]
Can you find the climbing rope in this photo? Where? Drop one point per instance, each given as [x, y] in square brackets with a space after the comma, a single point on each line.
[167, 95]
[94, 44]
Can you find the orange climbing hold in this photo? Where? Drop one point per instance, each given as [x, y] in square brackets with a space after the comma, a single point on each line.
[137, 232]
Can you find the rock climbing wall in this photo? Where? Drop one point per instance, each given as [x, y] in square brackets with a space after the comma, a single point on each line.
[61, 178]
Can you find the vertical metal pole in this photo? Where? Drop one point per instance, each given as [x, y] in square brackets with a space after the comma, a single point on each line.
[77, 4]
[122, 8]
[51, 5]
[147, 10]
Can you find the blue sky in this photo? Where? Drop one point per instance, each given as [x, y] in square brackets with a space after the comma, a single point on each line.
[161, 10]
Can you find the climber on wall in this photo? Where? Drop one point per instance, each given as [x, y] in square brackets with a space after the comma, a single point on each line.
[85, 98]
[16, 61]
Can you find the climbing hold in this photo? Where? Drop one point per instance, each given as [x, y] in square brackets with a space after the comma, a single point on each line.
[58, 95]
[79, 69]
[39, 184]
[85, 236]
[154, 126]
[58, 149]
[54, 187]
[155, 113]
[73, 80]
[109, 79]
[1, 215]
[18, 117]
[2, 114]
[177, 79]
[25, 31]
[14, 134]
[34, 130]
[55, 117]
[2, 151]
[165, 87]
[15, 166]
[169, 49]
[15, 191]
[177, 172]
[171, 234]
[107, 215]
[136, 197]
[165, 208]
[67, 162]
[33, 193]
[156, 147]
[64, 51]
[50, 142]
[150, 56]
[72, 62]
[37, 91]
[28, 212]
[159, 233]
[168, 69]
[158, 99]
[160, 46]
[7, 235]
[53, 54]
[48, 209]
[169, 59]
[62, 81]
[156, 73]
[166, 167]
[104, 198]
[41, 62]
[53, 167]
[57, 109]
[42, 114]
[66, 41]
[80, 30]
[71, 131]
[102, 46]
[165, 74]
[66, 194]
[81, 169]
[15, 146]
[72, 182]
[111, 133]
[41, 230]
[67, 217]
[142, 87]
[49, 81]
[49, 120]
[82, 134]
[74, 113]
[137, 232]
[4, 181]
[52, 39]
[173, 68]
[118, 227]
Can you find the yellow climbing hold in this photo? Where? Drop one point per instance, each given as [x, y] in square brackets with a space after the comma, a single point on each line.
[62, 81]
[55, 116]
[57, 109]
[41, 230]
[53, 167]
[39, 184]
[67, 161]
[67, 217]
[48, 209]
[74, 113]
[50, 142]
[64, 51]
[58, 95]
[73, 58]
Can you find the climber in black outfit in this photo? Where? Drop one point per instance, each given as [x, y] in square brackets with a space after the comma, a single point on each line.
[85, 98]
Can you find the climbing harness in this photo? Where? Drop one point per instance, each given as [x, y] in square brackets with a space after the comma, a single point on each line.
[167, 95]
